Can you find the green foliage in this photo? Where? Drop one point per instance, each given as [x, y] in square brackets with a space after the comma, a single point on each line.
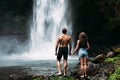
[61, 78]
[54, 78]
[119, 55]
[111, 60]
[115, 59]
[108, 60]
[115, 75]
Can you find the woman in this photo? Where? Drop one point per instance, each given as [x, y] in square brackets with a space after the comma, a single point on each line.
[82, 45]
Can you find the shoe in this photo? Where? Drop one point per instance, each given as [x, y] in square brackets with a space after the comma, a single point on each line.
[59, 74]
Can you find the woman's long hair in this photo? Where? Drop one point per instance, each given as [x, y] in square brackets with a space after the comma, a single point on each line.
[83, 39]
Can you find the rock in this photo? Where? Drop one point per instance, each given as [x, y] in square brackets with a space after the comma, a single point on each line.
[92, 68]
[13, 77]
[110, 54]
[20, 77]
[116, 48]
[98, 59]
[75, 72]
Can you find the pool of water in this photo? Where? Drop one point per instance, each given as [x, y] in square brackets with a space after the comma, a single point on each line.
[34, 67]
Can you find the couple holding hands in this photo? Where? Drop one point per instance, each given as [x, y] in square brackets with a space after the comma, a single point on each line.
[62, 49]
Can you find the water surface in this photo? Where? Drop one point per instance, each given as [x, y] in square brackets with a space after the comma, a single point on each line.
[34, 67]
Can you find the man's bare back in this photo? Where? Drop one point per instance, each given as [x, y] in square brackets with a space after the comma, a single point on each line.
[64, 40]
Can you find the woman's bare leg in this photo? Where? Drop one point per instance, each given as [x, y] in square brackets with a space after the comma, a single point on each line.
[82, 67]
[85, 66]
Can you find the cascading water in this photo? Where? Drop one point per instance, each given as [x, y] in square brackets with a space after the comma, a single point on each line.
[48, 19]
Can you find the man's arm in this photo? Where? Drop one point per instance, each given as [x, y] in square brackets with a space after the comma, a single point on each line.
[70, 46]
[56, 46]
[76, 48]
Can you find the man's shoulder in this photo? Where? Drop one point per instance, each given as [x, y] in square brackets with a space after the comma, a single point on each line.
[59, 37]
[69, 36]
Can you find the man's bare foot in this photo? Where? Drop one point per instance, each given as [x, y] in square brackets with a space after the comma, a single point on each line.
[59, 74]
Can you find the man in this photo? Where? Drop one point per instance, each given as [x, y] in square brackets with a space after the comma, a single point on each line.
[63, 42]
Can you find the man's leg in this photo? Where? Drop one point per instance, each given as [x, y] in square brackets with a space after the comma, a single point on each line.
[65, 61]
[59, 56]
[65, 66]
[59, 67]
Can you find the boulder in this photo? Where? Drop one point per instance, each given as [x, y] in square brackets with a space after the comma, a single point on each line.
[98, 59]
[110, 54]
[92, 68]
[116, 48]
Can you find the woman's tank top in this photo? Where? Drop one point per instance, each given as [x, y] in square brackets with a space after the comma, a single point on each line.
[83, 43]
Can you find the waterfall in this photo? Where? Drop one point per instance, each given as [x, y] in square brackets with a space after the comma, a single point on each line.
[49, 17]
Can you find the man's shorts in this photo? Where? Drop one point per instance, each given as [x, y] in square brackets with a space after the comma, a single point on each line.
[63, 51]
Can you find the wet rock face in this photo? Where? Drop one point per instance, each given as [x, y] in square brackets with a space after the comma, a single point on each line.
[92, 68]
[103, 73]
[20, 77]
[15, 7]
[14, 16]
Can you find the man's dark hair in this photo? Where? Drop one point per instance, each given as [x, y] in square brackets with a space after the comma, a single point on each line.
[64, 30]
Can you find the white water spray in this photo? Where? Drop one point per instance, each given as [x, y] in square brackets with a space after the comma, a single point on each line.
[49, 17]
[48, 20]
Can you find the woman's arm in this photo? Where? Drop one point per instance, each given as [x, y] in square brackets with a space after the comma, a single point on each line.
[88, 45]
[70, 46]
[76, 48]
